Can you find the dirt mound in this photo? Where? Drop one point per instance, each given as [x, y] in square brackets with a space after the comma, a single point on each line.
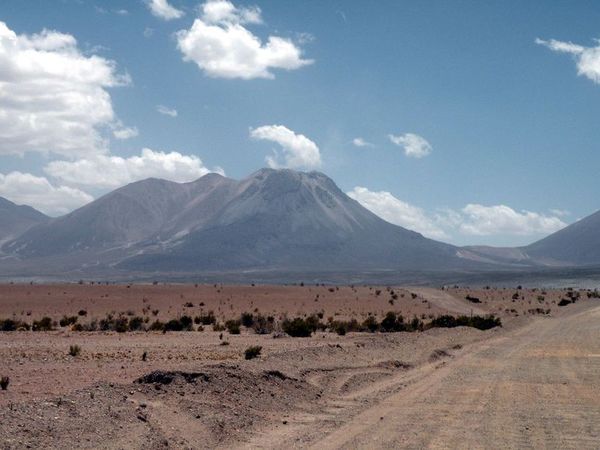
[178, 408]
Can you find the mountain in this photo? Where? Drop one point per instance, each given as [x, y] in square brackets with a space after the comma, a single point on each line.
[272, 220]
[16, 219]
[578, 244]
[130, 215]
[575, 245]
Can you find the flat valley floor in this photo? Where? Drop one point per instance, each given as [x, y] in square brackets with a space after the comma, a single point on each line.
[531, 383]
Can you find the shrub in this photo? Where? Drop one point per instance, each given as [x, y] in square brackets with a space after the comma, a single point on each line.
[74, 350]
[299, 327]
[136, 323]
[121, 324]
[205, 319]
[252, 352]
[157, 325]
[392, 322]
[218, 327]
[247, 319]
[82, 312]
[4, 382]
[8, 325]
[263, 325]
[341, 328]
[66, 321]
[479, 322]
[233, 326]
[472, 299]
[44, 324]
[182, 324]
[371, 324]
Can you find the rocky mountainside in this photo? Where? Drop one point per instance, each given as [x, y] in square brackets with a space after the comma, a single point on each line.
[17, 219]
[271, 220]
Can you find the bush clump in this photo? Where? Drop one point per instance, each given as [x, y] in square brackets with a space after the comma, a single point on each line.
[263, 325]
[479, 322]
[300, 327]
[74, 350]
[233, 326]
[252, 352]
[184, 323]
[205, 319]
[4, 382]
[67, 320]
[44, 324]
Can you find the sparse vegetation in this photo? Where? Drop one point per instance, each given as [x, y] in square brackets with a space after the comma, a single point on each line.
[252, 352]
[4, 382]
[74, 350]
[233, 326]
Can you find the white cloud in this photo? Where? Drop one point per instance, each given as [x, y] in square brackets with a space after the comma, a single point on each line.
[298, 150]
[398, 212]
[360, 142]
[482, 220]
[148, 32]
[126, 132]
[446, 224]
[52, 97]
[414, 145]
[223, 11]
[163, 10]
[587, 59]
[28, 189]
[114, 171]
[223, 48]
[166, 111]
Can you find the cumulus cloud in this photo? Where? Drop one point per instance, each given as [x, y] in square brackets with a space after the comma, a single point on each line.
[398, 212]
[222, 47]
[472, 220]
[163, 10]
[28, 189]
[360, 142]
[414, 145]
[52, 97]
[587, 59]
[299, 152]
[126, 132]
[113, 171]
[166, 111]
[480, 220]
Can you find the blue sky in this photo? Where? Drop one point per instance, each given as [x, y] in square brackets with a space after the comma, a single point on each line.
[472, 131]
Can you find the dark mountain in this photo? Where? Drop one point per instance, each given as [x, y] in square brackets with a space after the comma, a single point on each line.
[272, 220]
[16, 219]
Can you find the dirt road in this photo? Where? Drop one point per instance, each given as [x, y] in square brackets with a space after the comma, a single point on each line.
[535, 387]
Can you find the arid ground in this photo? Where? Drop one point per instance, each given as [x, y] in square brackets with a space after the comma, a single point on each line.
[533, 382]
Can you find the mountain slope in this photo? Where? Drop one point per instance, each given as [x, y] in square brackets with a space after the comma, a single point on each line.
[16, 219]
[271, 220]
[577, 244]
[287, 220]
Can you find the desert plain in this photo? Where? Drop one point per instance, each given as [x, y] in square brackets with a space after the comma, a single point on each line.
[531, 382]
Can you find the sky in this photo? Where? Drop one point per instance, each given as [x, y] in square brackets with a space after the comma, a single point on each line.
[470, 122]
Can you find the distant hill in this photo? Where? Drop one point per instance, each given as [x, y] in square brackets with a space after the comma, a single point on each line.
[578, 244]
[17, 219]
[272, 220]
[575, 245]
